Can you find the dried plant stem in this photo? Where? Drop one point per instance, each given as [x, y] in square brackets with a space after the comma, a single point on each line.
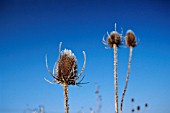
[66, 105]
[127, 78]
[115, 78]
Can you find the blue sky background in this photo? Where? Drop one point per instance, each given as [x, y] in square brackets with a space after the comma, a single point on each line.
[30, 29]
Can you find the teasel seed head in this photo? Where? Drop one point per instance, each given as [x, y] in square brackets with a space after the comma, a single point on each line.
[114, 38]
[130, 39]
[67, 67]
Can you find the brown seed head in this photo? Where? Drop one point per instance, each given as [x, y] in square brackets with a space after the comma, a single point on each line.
[67, 67]
[114, 38]
[138, 108]
[132, 100]
[130, 39]
[133, 110]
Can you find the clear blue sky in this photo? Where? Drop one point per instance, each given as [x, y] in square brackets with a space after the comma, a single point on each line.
[30, 29]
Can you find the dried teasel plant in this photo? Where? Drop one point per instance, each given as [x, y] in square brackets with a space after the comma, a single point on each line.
[138, 108]
[65, 72]
[114, 41]
[130, 39]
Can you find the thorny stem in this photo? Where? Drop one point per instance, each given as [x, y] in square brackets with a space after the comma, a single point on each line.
[115, 78]
[66, 105]
[127, 78]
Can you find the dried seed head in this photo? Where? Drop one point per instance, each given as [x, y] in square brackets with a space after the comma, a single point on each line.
[114, 38]
[130, 39]
[146, 105]
[133, 110]
[67, 66]
[138, 108]
[132, 100]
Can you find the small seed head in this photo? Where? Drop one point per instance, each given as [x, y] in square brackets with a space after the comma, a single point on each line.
[130, 39]
[138, 108]
[114, 38]
[146, 105]
[133, 110]
[132, 100]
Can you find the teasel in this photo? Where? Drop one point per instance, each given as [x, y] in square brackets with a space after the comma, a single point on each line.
[130, 39]
[65, 72]
[114, 41]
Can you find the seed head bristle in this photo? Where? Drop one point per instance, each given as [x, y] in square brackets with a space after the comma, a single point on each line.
[130, 39]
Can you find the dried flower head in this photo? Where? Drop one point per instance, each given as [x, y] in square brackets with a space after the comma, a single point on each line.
[130, 39]
[146, 105]
[133, 110]
[113, 38]
[138, 108]
[65, 69]
[132, 100]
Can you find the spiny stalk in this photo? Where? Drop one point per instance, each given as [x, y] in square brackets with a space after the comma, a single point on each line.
[115, 78]
[127, 78]
[114, 41]
[66, 105]
[130, 42]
